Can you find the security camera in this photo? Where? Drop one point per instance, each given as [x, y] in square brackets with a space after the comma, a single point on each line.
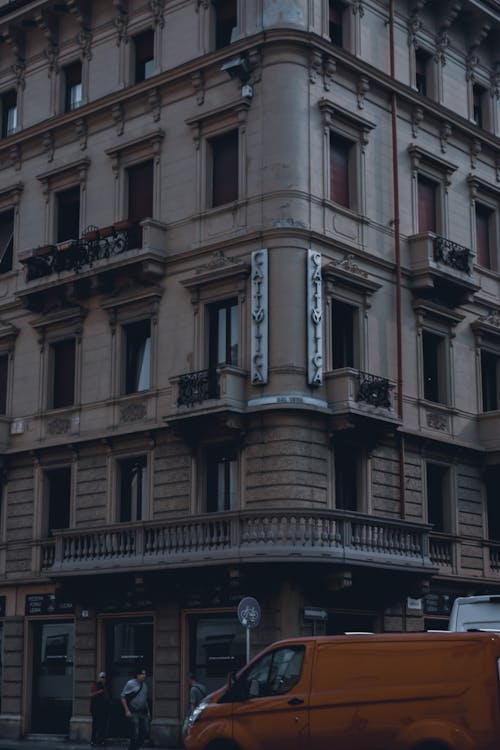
[238, 67]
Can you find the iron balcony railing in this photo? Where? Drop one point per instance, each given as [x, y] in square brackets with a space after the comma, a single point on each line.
[329, 536]
[374, 390]
[451, 254]
[74, 255]
[196, 387]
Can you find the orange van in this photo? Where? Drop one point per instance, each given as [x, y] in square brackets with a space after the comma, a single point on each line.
[421, 691]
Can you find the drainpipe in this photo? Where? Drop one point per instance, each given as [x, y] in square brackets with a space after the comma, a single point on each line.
[397, 254]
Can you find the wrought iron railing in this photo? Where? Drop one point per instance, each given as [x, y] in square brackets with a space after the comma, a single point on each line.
[196, 387]
[374, 390]
[453, 255]
[75, 255]
[310, 535]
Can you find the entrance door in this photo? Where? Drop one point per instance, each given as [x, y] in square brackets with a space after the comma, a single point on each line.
[128, 644]
[52, 694]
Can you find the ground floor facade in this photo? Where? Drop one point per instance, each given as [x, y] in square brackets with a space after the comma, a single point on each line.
[57, 637]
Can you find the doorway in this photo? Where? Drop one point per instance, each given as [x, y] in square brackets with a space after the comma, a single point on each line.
[52, 693]
[128, 643]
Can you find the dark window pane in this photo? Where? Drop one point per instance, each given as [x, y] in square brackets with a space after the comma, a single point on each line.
[58, 498]
[343, 334]
[336, 31]
[489, 380]
[4, 372]
[223, 333]
[140, 199]
[493, 502]
[431, 344]
[346, 478]
[427, 192]
[68, 214]
[483, 220]
[421, 74]
[436, 476]
[221, 479]
[64, 373]
[144, 55]
[478, 98]
[225, 168]
[339, 170]
[73, 86]
[133, 488]
[6, 241]
[225, 22]
[9, 113]
[138, 356]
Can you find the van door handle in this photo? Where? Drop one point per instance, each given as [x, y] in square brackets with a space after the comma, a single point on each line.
[295, 701]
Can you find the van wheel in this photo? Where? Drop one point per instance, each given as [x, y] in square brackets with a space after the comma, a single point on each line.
[432, 746]
[221, 745]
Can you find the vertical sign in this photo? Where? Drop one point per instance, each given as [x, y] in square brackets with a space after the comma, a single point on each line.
[260, 317]
[314, 319]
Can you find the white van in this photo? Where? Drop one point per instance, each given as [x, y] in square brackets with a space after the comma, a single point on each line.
[475, 613]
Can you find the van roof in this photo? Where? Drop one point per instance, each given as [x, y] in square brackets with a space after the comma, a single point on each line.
[442, 635]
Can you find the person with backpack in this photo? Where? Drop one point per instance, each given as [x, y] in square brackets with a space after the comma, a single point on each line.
[134, 699]
[197, 691]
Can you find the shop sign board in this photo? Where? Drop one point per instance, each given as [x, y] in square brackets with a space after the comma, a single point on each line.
[47, 604]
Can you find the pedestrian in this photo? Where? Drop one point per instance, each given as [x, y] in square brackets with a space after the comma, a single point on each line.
[197, 691]
[99, 709]
[134, 699]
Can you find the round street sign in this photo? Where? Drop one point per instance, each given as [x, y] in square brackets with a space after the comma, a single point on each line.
[249, 612]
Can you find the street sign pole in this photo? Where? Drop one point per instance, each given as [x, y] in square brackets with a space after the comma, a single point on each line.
[249, 617]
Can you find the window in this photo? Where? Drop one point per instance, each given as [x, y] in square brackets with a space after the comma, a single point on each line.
[63, 355]
[434, 369]
[225, 21]
[4, 373]
[275, 673]
[8, 103]
[68, 214]
[423, 72]
[223, 335]
[222, 479]
[140, 198]
[224, 150]
[346, 477]
[484, 220]
[490, 374]
[72, 86]
[478, 105]
[427, 204]
[137, 356]
[336, 22]
[6, 241]
[58, 499]
[133, 489]
[343, 325]
[492, 482]
[340, 156]
[144, 62]
[437, 477]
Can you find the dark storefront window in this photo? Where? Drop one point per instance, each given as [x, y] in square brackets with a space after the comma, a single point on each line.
[216, 647]
[52, 693]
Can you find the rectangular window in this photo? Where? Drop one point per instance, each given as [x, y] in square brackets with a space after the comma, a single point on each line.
[63, 380]
[490, 374]
[492, 480]
[434, 367]
[346, 477]
[484, 217]
[8, 103]
[133, 489]
[6, 241]
[58, 489]
[222, 479]
[223, 318]
[68, 214]
[224, 150]
[478, 105]
[72, 86]
[4, 374]
[437, 489]
[422, 72]
[343, 317]
[336, 23]
[137, 356]
[140, 198]
[427, 204]
[144, 62]
[225, 21]
[340, 155]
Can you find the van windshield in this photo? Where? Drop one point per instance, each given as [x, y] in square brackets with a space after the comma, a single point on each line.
[274, 673]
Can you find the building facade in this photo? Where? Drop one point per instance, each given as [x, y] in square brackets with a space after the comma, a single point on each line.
[249, 334]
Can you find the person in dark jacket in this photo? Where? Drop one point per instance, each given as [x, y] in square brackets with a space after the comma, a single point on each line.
[99, 709]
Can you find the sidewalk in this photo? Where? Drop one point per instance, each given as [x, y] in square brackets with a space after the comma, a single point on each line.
[56, 743]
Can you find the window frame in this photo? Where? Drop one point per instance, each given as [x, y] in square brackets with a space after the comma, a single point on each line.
[69, 104]
[134, 62]
[5, 109]
[428, 166]
[232, 495]
[120, 461]
[231, 139]
[491, 505]
[8, 335]
[45, 519]
[59, 180]
[447, 482]
[125, 348]
[494, 359]
[53, 377]
[10, 198]
[7, 256]
[219, 33]
[486, 196]
[61, 204]
[356, 465]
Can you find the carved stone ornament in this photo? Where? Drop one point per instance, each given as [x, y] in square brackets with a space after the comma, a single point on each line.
[120, 22]
[475, 150]
[154, 103]
[198, 82]
[81, 132]
[315, 65]
[362, 89]
[48, 145]
[437, 421]
[492, 318]
[158, 10]
[59, 426]
[444, 135]
[218, 260]
[84, 41]
[133, 412]
[15, 158]
[417, 115]
[118, 117]
[347, 264]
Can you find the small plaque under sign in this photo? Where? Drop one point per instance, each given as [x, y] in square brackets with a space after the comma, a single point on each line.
[414, 604]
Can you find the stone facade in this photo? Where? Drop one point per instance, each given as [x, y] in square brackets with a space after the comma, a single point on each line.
[249, 334]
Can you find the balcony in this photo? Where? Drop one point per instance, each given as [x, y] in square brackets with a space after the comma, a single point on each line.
[74, 270]
[441, 269]
[248, 536]
[360, 399]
